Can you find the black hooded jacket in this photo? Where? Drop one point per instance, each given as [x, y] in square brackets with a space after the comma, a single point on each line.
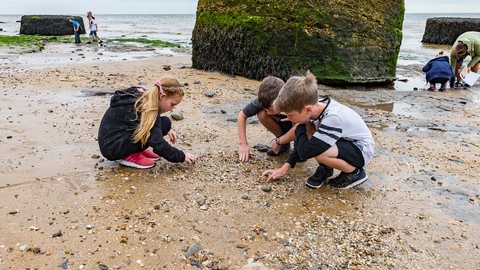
[118, 125]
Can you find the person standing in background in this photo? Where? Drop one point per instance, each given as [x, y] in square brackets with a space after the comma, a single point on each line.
[76, 29]
[93, 29]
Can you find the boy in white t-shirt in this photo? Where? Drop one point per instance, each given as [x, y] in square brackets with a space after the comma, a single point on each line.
[93, 29]
[332, 133]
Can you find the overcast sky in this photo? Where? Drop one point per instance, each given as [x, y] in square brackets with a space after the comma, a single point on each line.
[188, 6]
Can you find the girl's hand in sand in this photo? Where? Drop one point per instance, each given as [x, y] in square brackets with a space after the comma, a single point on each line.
[244, 152]
[277, 173]
[189, 158]
[173, 136]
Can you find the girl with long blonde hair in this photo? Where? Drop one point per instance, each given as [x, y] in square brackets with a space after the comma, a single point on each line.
[133, 123]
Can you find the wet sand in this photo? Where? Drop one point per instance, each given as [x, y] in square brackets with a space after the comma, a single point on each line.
[65, 206]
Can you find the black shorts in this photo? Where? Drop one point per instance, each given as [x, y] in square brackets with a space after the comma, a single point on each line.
[285, 126]
[350, 153]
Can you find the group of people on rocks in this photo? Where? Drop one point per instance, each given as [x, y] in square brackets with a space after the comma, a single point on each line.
[92, 26]
[319, 127]
[441, 69]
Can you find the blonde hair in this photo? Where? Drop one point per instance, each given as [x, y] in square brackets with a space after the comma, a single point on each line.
[297, 93]
[147, 105]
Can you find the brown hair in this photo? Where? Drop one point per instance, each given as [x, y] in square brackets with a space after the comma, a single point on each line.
[268, 91]
[297, 93]
[461, 49]
[147, 105]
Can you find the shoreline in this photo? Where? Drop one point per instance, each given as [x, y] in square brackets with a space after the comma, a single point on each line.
[419, 208]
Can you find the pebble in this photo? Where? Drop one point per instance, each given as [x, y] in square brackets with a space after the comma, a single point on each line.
[266, 188]
[193, 249]
[23, 248]
[64, 264]
[254, 266]
[177, 116]
[209, 94]
[201, 202]
[12, 212]
[57, 234]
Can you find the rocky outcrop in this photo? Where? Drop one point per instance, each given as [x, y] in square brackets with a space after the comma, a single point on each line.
[445, 30]
[339, 41]
[49, 25]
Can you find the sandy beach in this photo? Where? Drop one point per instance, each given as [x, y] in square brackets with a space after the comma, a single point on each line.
[65, 206]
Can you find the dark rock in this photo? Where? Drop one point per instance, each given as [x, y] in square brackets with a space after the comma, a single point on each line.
[445, 30]
[266, 188]
[49, 25]
[354, 42]
[261, 147]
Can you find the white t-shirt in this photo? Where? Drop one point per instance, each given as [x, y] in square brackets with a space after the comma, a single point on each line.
[341, 122]
[93, 25]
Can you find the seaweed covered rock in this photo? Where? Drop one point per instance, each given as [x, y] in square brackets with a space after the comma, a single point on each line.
[339, 41]
[49, 25]
[445, 30]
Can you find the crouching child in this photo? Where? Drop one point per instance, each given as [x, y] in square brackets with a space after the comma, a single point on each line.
[332, 133]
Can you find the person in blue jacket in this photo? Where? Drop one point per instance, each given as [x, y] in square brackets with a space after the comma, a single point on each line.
[438, 70]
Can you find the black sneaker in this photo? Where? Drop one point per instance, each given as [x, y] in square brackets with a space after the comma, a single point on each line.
[88, 42]
[284, 148]
[101, 41]
[349, 180]
[321, 174]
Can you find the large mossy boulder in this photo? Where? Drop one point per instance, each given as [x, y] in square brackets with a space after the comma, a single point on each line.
[339, 41]
[49, 25]
[445, 30]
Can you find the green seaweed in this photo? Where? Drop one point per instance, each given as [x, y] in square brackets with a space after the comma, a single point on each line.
[331, 38]
[153, 42]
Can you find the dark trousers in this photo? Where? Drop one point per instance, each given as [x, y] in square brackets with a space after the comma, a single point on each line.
[443, 81]
[77, 37]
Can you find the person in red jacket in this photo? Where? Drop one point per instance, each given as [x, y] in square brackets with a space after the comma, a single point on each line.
[133, 123]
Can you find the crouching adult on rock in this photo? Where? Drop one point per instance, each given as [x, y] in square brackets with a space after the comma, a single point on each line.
[466, 44]
[133, 123]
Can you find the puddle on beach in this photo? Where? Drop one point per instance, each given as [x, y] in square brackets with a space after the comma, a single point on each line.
[409, 84]
[399, 108]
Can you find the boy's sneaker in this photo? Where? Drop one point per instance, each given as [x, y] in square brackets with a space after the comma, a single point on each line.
[101, 41]
[150, 155]
[284, 148]
[137, 160]
[461, 85]
[88, 42]
[432, 88]
[321, 174]
[349, 180]
[443, 89]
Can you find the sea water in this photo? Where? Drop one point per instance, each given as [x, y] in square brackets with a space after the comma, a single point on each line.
[178, 29]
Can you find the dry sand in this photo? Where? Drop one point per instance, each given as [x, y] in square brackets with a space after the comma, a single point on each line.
[64, 206]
